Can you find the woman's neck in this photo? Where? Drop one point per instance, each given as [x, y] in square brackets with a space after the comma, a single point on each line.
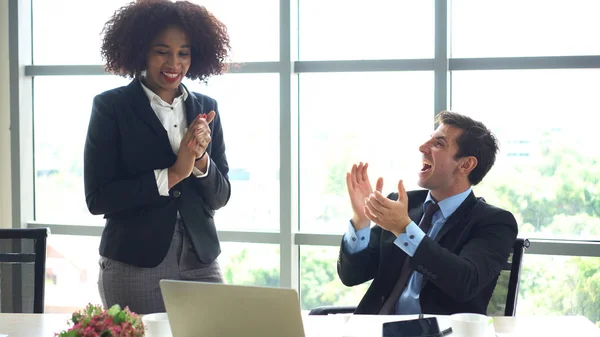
[165, 94]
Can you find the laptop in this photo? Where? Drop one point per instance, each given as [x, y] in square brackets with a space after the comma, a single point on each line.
[200, 309]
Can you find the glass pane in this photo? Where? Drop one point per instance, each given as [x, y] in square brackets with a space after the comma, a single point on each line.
[381, 118]
[524, 28]
[547, 172]
[251, 39]
[560, 285]
[72, 269]
[252, 148]
[254, 175]
[319, 281]
[68, 31]
[250, 263]
[62, 107]
[377, 29]
[253, 27]
[71, 273]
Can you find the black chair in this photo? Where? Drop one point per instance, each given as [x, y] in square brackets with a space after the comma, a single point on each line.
[38, 258]
[513, 267]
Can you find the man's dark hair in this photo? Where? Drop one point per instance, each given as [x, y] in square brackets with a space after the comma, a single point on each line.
[130, 31]
[476, 140]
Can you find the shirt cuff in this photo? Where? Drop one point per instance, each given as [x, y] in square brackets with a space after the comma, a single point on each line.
[356, 240]
[162, 181]
[200, 174]
[411, 239]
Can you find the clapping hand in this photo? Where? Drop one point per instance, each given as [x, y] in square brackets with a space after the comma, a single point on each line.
[359, 188]
[193, 145]
[197, 136]
[391, 215]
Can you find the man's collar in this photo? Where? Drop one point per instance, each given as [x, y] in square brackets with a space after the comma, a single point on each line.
[450, 204]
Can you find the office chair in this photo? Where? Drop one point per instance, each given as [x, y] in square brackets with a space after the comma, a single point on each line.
[38, 258]
[513, 267]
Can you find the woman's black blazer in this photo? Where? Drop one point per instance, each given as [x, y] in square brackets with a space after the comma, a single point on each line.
[125, 143]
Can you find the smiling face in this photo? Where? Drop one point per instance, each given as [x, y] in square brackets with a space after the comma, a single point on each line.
[441, 172]
[168, 61]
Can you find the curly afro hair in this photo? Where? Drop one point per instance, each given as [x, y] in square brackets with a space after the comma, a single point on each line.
[130, 31]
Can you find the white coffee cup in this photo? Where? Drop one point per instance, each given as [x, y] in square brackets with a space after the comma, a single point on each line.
[157, 325]
[470, 325]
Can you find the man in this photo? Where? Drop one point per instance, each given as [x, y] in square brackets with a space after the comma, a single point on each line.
[442, 261]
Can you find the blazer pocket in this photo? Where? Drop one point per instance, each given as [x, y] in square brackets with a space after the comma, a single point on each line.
[104, 262]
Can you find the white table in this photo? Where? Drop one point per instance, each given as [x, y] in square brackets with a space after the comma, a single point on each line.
[370, 326]
[45, 325]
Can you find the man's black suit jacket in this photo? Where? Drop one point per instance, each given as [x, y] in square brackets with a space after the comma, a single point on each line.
[460, 267]
[125, 143]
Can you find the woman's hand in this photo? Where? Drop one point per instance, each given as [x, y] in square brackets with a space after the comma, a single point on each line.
[199, 134]
[192, 146]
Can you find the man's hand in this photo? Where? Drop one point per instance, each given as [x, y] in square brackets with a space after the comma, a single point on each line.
[359, 188]
[388, 214]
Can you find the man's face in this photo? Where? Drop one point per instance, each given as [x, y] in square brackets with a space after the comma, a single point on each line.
[440, 171]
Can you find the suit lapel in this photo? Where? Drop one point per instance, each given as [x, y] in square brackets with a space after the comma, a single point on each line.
[193, 107]
[141, 106]
[457, 216]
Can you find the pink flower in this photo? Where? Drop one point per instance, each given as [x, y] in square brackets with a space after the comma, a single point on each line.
[93, 321]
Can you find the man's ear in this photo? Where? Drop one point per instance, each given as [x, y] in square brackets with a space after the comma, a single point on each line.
[468, 164]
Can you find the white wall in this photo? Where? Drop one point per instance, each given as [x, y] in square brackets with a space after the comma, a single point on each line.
[5, 191]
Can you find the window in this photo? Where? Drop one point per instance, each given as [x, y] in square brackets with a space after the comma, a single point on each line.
[62, 108]
[250, 264]
[319, 281]
[547, 172]
[560, 285]
[345, 118]
[72, 269]
[68, 31]
[71, 272]
[353, 30]
[252, 27]
[524, 28]
[249, 107]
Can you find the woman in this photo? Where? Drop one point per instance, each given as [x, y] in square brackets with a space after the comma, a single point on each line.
[154, 161]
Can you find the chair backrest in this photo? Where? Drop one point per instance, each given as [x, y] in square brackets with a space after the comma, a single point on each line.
[515, 276]
[504, 297]
[17, 257]
[505, 294]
